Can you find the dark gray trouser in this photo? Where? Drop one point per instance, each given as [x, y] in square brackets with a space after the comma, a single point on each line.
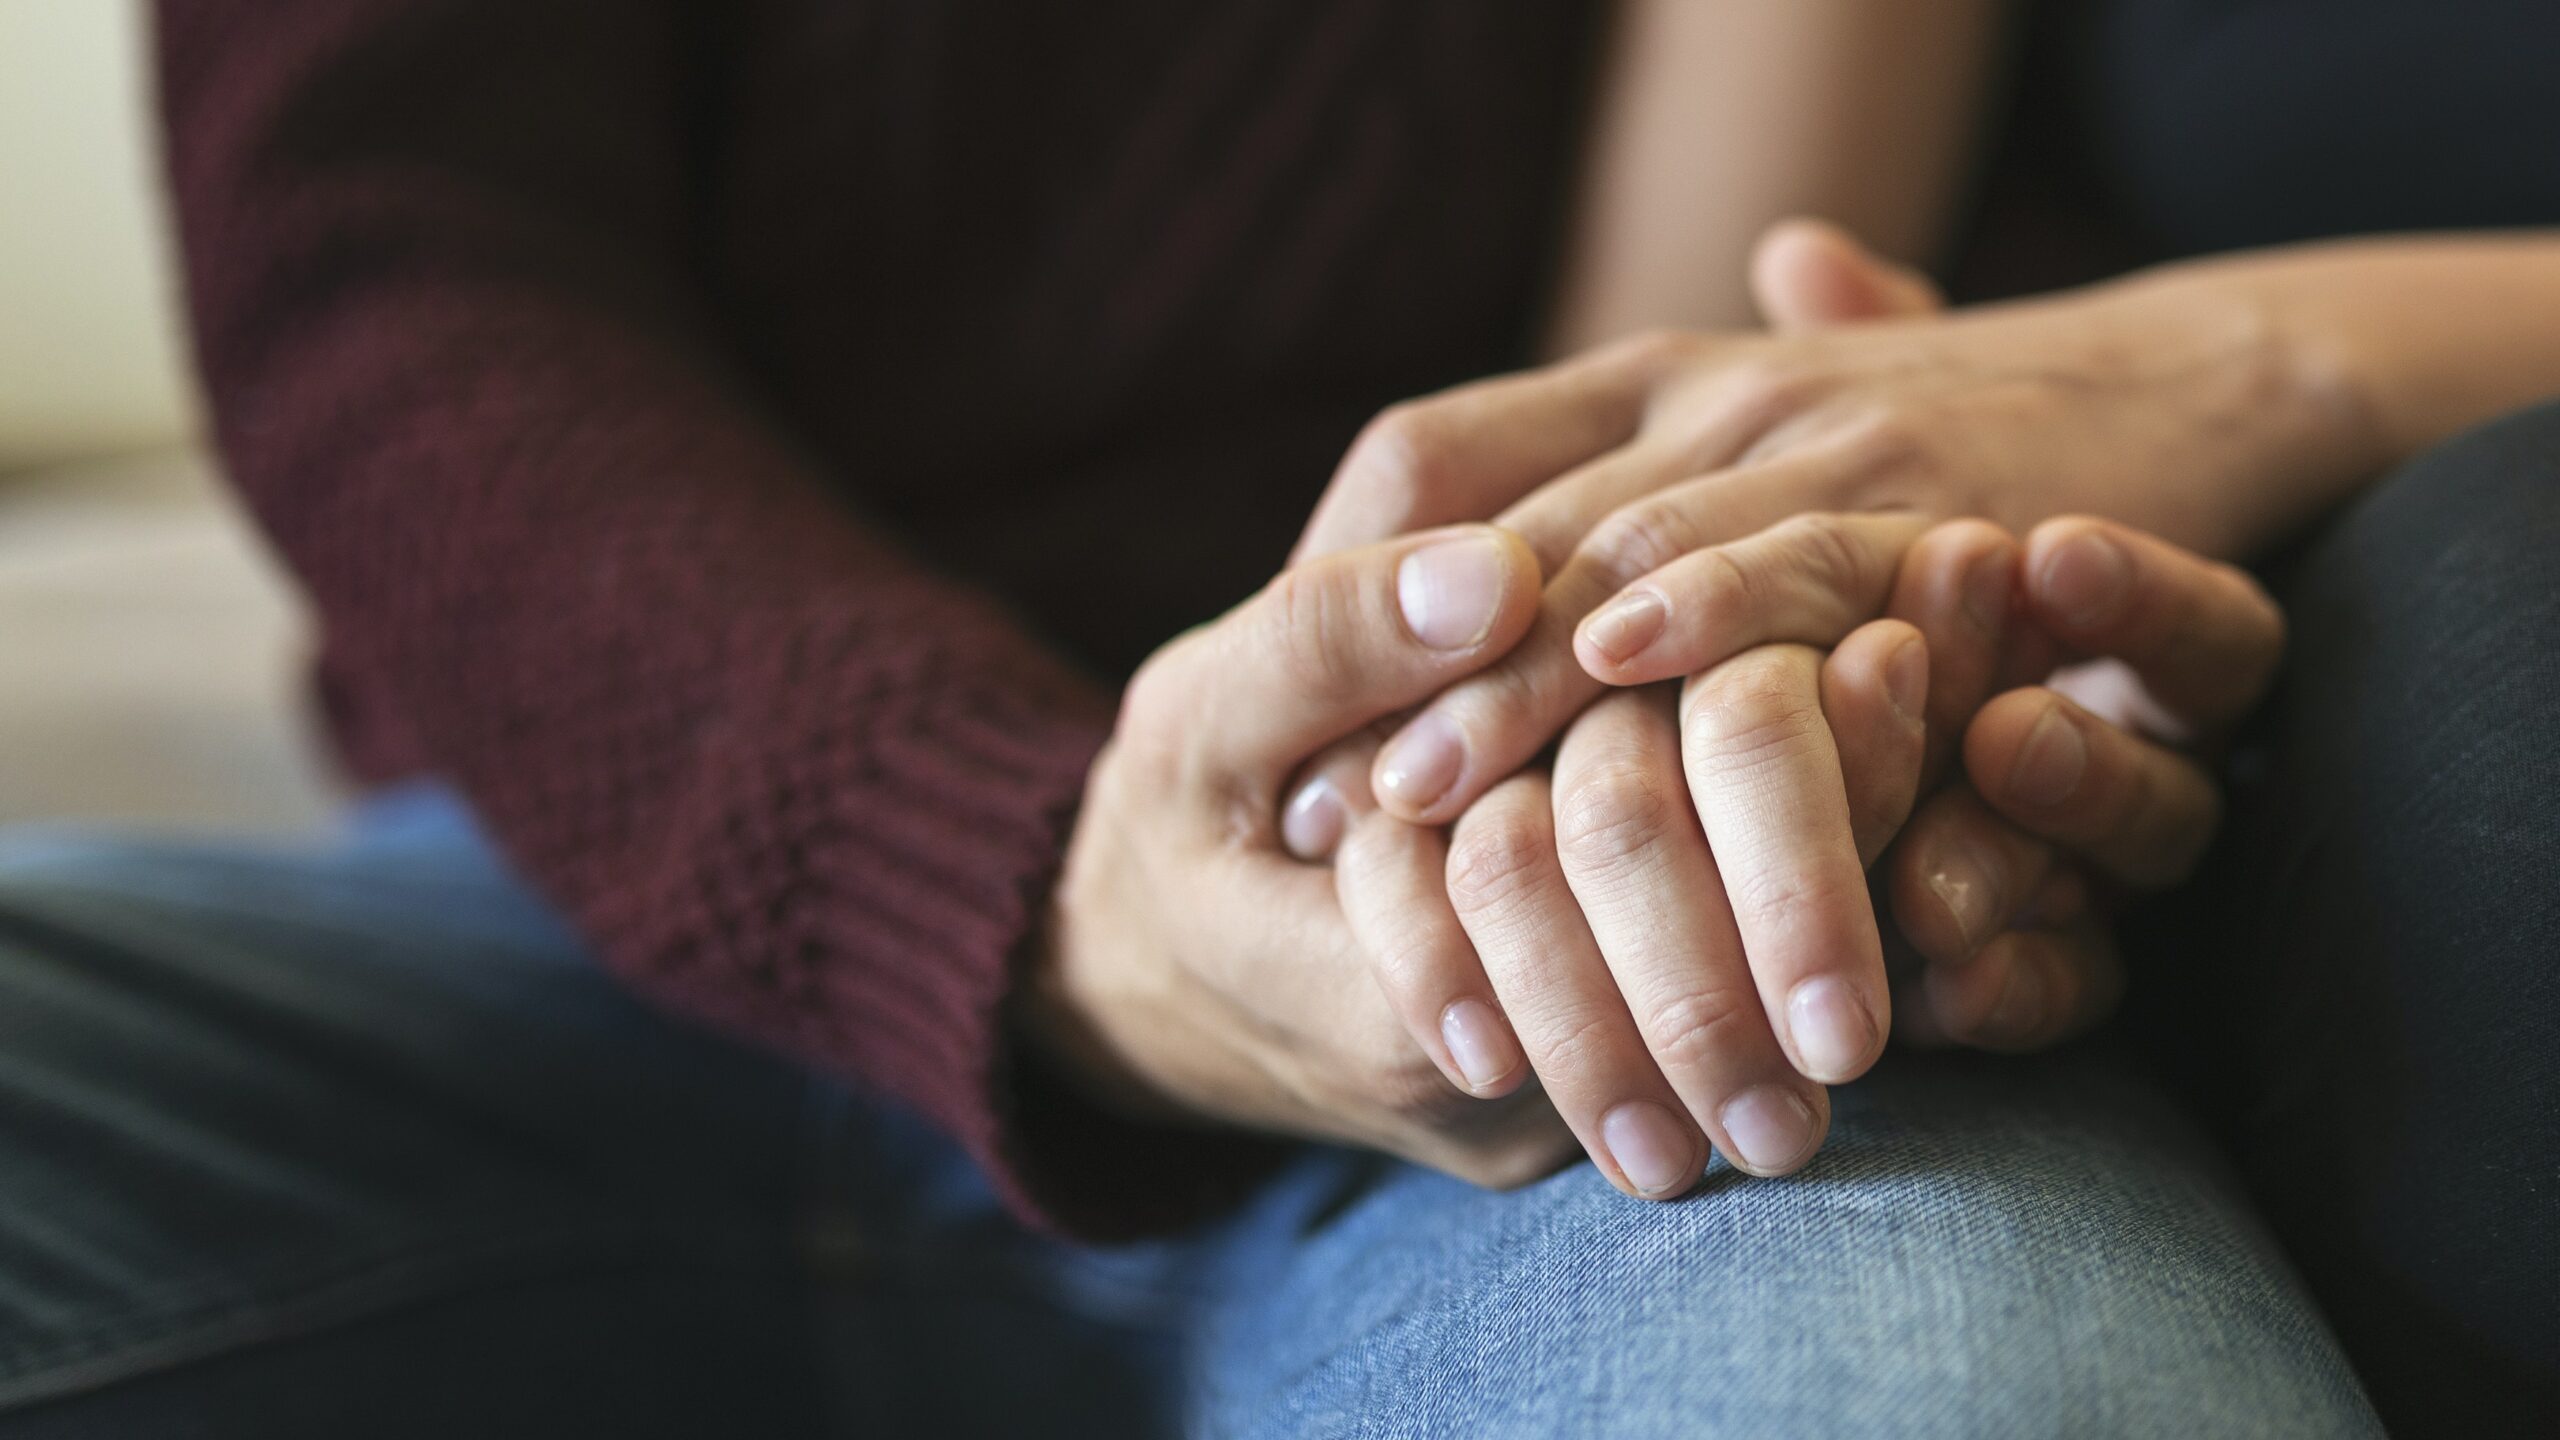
[2372, 963]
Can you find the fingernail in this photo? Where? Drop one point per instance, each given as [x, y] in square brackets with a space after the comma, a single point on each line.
[1770, 1127]
[1964, 887]
[2086, 580]
[1987, 590]
[1422, 762]
[1906, 682]
[1622, 629]
[1651, 1148]
[1450, 590]
[1312, 824]
[1479, 1043]
[1835, 1033]
[2050, 763]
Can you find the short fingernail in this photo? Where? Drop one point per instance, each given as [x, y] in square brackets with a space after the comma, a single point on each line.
[1652, 1149]
[2086, 579]
[1450, 591]
[1312, 824]
[1479, 1043]
[1835, 1032]
[1422, 762]
[1769, 1126]
[1622, 629]
[2050, 762]
[1906, 682]
[1964, 887]
[1987, 590]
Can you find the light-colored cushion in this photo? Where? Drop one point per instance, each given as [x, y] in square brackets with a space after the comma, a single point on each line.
[90, 358]
[151, 655]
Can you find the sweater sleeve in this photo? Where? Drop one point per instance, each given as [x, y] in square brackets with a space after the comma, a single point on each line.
[783, 778]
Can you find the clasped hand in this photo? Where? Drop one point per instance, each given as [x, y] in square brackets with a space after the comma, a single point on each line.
[1771, 654]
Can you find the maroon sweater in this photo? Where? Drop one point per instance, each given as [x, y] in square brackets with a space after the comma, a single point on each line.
[742, 444]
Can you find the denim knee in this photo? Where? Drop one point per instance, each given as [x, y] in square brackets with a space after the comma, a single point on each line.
[1981, 1250]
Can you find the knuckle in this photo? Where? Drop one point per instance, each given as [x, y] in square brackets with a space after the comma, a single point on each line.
[1155, 695]
[1767, 390]
[1584, 1043]
[1691, 1031]
[1316, 635]
[1829, 555]
[1638, 540]
[1493, 860]
[1894, 459]
[1744, 715]
[1399, 460]
[1613, 814]
[1785, 900]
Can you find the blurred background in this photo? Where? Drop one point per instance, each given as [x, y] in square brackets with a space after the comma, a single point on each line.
[150, 653]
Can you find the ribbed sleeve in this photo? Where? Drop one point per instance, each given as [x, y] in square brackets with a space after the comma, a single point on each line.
[784, 778]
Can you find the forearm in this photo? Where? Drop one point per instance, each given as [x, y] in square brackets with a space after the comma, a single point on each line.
[2390, 345]
[1715, 120]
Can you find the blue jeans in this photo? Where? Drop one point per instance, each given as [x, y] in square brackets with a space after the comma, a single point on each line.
[353, 1140]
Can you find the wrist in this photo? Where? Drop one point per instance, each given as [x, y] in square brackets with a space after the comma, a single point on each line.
[2279, 402]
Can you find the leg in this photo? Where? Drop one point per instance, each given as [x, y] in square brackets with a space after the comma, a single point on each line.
[1985, 1248]
[2387, 1056]
[356, 1142]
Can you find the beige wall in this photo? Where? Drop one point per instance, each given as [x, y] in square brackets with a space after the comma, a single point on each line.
[90, 360]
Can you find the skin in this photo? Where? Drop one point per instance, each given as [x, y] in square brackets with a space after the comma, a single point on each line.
[2197, 400]
[2216, 406]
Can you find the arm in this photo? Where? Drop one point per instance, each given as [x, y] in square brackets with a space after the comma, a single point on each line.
[1715, 120]
[783, 777]
[2414, 339]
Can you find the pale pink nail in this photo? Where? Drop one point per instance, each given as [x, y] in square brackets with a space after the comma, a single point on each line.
[1652, 1149]
[1480, 1044]
[1770, 1128]
[1420, 764]
[1450, 590]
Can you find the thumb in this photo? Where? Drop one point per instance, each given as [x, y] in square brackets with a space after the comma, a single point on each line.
[1810, 274]
[1336, 642]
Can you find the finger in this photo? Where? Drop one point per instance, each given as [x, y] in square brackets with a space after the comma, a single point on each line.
[1956, 586]
[2137, 810]
[1488, 725]
[1511, 897]
[1327, 797]
[1873, 688]
[1961, 874]
[1392, 880]
[1467, 452]
[1811, 580]
[1766, 779]
[1810, 274]
[1326, 648]
[2202, 635]
[2027, 989]
[1639, 867]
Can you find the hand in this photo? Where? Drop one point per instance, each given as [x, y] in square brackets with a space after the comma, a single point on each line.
[1583, 930]
[1190, 968]
[2139, 402]
[2078, 787]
